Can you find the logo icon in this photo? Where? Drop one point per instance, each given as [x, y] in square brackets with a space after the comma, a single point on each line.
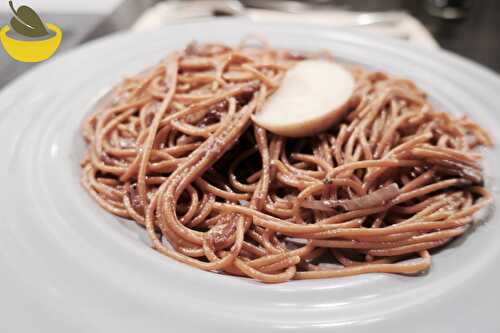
[27, 38]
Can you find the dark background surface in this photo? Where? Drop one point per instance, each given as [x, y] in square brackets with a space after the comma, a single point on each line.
[476, 36]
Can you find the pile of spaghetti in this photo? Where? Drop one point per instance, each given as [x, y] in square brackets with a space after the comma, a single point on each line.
[176, 150]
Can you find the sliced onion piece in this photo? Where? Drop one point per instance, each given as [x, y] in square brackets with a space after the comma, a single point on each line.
[376, 198]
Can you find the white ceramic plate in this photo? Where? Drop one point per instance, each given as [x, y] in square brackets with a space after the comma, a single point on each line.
[66, 265]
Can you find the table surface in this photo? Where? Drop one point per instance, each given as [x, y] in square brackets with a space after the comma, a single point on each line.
[475, 37]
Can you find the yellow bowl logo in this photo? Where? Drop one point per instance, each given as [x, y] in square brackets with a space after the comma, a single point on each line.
[31, 50]
[27, 38]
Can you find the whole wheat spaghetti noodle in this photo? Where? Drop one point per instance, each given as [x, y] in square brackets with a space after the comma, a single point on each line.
[175, 149]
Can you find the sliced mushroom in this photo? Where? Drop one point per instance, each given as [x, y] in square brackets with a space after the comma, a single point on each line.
[313, 95]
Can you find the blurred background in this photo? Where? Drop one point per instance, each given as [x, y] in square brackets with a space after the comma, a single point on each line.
[467, 27]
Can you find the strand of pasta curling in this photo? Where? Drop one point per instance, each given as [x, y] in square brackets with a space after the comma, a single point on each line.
[175, 150]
